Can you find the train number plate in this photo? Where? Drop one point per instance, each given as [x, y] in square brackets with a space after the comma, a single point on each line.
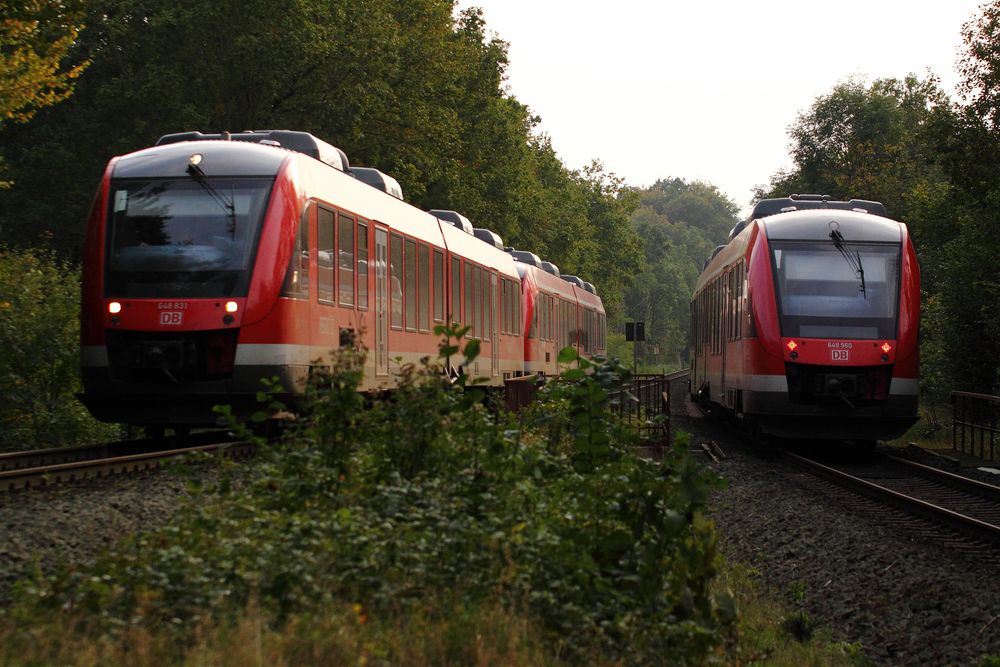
[840, 355]
[171, 317]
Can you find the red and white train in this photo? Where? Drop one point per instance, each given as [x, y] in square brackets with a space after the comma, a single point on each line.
[805, 323]
[213, 261]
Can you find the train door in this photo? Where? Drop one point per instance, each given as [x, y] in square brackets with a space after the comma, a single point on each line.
[705, 345]
[494, 325]
[381, 302]
[724, 333]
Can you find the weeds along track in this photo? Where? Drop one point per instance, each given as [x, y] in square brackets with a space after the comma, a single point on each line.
[41, 467]
[965, 512]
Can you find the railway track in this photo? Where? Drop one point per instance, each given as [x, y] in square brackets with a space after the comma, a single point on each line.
[42, 467]
[966, 507]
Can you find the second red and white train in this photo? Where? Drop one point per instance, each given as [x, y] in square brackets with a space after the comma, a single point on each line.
[805, 324]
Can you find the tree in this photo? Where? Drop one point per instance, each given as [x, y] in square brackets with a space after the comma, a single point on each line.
[35, 40]
[679, 224]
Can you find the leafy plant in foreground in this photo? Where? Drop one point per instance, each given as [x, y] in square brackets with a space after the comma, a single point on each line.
[424, 501]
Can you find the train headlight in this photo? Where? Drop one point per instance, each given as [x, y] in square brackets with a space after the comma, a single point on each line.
[886, 348]
[232, 306]
[115, 307]
[791, 345]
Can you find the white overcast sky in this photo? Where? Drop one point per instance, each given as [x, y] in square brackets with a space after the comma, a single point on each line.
[706, 89]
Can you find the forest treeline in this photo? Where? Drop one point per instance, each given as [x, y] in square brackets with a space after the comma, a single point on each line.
[405, 87]
[419, 92]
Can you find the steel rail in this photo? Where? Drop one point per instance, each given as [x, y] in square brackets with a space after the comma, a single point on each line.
[41, 475]
[955, 520]
[959, 482]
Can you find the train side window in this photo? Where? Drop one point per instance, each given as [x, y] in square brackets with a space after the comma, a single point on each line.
[396, 280]
[423, 282]
[504, 307]
[345, 260]
[511, 310]
[477, 302]
[547, 317]
[296, 284]
[470, 288]
[484, 291]
[456, 290]
[362, 266]
[541, 309]
[325, 254]
[438, 286]
[410, 285]
[488, 309]
[481, 293]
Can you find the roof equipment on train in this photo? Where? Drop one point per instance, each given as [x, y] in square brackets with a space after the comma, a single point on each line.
[589, 287]
[574, 280]
[300, 142]
[378, 180]
[454, 218]
[526, 257]
[737, 228]
[488, 236]
[766, 207]
[549, 267]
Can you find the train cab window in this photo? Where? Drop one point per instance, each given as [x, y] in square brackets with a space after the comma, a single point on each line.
[325, 253]
[830, 292]
[362, 266]
[345, 261]
[456, 290]
[396, 280]
[297, 277]
[438, 286]
[423, 282]
[410, 285]
[174, 238]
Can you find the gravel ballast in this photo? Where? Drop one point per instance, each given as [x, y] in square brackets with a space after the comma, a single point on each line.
[905, 597]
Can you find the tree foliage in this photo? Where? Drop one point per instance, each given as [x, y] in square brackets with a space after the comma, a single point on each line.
[35, 39]
[679, 224]
[40, 354]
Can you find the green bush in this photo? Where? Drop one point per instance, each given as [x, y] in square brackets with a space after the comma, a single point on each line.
[427, 500]
[40, 354]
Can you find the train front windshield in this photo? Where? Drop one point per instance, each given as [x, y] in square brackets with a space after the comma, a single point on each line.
[826, 291]
[190, 238]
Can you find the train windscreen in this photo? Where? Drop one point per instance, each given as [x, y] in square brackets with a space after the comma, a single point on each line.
[190, 238]
[828, 290]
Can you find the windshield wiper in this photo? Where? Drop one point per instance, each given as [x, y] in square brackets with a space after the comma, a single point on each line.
[227, 205]
[854, 262]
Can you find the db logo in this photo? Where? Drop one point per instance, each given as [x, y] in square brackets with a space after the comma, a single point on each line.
[839, 355]
[171, 317]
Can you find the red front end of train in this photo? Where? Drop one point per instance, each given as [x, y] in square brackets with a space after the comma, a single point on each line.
[806, 323]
